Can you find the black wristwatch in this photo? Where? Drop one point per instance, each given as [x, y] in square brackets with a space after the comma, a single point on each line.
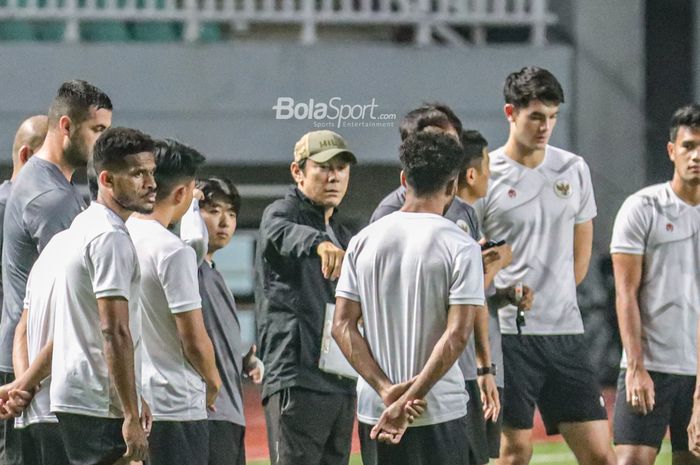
[481, 371]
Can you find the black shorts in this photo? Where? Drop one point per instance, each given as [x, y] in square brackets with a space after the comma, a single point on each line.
[554, 373]
[42, 444]
[91, 440]
[309, 427]
[673, 396]
[179, 443]
[226, 445]
[442, 443]
[476, 426]
[10, 445]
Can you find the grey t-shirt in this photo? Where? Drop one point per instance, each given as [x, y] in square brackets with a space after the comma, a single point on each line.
[42, 203]
[5, 189]
[221, 321]
[463, 216]
[663, 229]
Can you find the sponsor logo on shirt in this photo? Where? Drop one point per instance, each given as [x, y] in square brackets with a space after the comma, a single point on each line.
[512, 193]
[562, 189]
[463, 226]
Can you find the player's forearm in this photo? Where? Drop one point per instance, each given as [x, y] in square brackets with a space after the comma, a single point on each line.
[20, 354]
[119, 353]
[200, 353]
[444, 355]
[630, 323]
[38, 370]
[481, 337]
[358, 353]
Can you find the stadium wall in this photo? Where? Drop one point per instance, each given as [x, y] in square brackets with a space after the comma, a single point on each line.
[220, 98]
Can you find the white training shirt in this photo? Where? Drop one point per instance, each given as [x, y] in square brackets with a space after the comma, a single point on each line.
[172, 387]
[657, 224]
[97, 260]
[40, 323]
[405, 270]
[535, 211]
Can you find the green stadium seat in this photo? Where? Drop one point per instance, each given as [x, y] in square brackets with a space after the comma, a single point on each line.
[49, 31]
[156, 31]
[16, 30]
[210, 32]
[104, 31]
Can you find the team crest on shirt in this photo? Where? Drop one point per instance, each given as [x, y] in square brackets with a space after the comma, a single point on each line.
[461, 224]
[512, 193]
[669, 227]
[562, 189]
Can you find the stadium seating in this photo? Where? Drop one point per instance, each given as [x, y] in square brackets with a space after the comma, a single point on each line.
[203, 20]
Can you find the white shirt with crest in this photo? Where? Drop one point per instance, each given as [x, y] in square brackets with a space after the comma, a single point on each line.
[535, 211]
[658, 225]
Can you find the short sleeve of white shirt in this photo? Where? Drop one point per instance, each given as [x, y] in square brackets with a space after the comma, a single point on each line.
[112, 259]
[587, 210]
[467, 286]
[630, 229]
[178, 275]
[347, 283]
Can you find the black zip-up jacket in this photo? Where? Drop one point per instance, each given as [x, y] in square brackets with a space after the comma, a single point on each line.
[291, 295]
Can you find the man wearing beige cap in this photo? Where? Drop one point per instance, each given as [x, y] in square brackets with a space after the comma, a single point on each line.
[309, 412]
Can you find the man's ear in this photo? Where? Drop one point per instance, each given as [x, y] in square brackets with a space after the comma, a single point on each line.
[105, 178]
[24, 153]
[297, 172]
[671, 149]
[509, 111]
[65, 125]
[402, 178]
[179, 193]
[471, 176]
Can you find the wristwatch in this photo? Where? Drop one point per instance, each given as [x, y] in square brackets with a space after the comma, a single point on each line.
[481, 371]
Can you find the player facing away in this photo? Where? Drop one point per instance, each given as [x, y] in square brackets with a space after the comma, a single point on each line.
[540, 200]
[416, 281]
[656, 258]
[483, 402]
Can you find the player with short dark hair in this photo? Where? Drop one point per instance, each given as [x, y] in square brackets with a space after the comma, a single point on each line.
[44, 202]
[656, 257]
[179, 374]
[219, 207]
[416, 281]
[540, 201]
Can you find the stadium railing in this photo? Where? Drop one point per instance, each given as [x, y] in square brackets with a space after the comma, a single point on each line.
[191, 20]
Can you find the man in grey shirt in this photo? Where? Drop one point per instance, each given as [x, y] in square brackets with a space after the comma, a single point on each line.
[28, 139]
[219, 207]
[43, 202]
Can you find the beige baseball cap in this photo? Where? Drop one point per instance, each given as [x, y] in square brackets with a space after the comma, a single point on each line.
[321, 146]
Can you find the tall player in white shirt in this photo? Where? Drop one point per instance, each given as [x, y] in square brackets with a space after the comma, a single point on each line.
[540, 200]
[179, 374]
[656, 257]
